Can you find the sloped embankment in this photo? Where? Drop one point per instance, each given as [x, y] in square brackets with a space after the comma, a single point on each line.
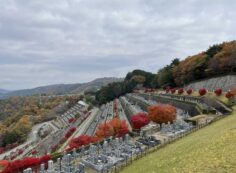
[211, 149]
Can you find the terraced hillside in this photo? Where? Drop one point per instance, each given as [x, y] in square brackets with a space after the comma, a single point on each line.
[211, 149]
[225, 82]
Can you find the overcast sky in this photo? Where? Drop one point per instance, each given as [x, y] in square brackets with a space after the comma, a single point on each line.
[71, 41]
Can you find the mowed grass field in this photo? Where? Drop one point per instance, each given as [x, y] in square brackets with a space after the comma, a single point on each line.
[209, 150]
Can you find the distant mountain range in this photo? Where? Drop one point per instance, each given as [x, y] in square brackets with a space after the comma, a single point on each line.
[60, 89]
[2, 91]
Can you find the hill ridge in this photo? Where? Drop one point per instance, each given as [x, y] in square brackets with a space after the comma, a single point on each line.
[56, 89]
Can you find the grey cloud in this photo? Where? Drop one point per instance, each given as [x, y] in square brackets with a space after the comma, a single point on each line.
[45, 42]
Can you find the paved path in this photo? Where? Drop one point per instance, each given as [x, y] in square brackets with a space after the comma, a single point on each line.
[32, 137]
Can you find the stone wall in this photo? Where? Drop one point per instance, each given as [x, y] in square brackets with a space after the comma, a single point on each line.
[189, 107]
[224, 82]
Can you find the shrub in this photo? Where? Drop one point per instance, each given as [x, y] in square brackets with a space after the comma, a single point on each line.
[20, 151]
[162, 113]
[33, 152]
[71, 120]
[2, 150]
[62, 140]
[180, 91]
[173, 91]
[139, 120]
[189, 91]
[70, 132]
[202, 91]
[218, 91]
[54, 147]
[72, 129]
[229, 95]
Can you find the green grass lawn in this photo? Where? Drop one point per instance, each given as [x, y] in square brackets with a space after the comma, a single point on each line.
[211, 149]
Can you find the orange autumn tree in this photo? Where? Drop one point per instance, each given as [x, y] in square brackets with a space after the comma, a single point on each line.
[162, 113]
[104, 130]
[114, 127]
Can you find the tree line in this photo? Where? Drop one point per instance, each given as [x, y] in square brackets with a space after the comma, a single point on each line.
[217, 60]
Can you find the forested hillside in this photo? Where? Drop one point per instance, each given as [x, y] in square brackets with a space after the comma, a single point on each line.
[116, 89]
[19, 114]
[218, 60]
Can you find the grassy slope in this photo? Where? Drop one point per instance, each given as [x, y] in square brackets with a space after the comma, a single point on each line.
[211, 149]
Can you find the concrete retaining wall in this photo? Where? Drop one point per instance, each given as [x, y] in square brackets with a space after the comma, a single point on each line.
[224, 82]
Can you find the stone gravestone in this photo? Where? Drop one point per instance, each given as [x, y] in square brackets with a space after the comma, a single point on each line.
[105, 147]
[127, 137]
[28, 170]
[42, 168]
[50, 167]
[163, 128]
[74, 154]
[82, 150]
[117, 153]
[81, 168]
[58, 164]
[117, 142]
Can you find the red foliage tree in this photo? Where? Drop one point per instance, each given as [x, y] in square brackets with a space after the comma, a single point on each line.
[104, 130]
[70, 132]
[33, 152]
[114, 127]
[62, 140]
[139, 120]
[19, 165]
[189, 91]
[20, 151]
[4, 164]
[202, 91]
[54, 147]
[44, 159]
[180, 91]
[162, 113]
[81, 140]
[72, 129]
[218, 91]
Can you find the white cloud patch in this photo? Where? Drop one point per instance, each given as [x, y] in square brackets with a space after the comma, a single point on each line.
[46, 42]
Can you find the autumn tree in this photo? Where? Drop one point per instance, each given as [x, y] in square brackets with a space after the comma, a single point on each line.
[104, 130]
[217, 60]
[82, 140]
[114, 127]
[139, 120]
[162, 113]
